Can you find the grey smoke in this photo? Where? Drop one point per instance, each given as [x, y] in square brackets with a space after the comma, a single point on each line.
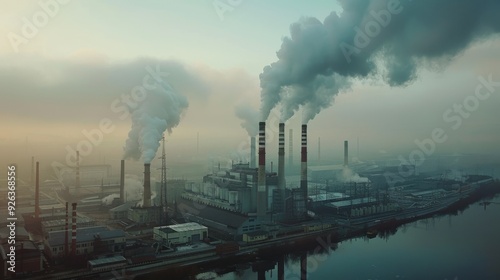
[312, 66]
[249, 117]
[160, 111]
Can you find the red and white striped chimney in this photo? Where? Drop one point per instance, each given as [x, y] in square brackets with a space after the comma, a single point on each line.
[281, 157]
[37, 191]
[73, 230]
[66, 228]
[122, 181]
[303, 162]
[261, 176]
[147, 185]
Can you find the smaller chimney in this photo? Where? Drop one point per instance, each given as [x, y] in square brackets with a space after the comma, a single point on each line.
[66, 228]
[37, 192]
[346, 153]
[147, 185]
[73, 230]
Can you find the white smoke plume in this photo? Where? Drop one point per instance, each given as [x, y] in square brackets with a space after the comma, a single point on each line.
[349, 176]
[109, 199]
[249, 117]
[320, 59]
[160, 110]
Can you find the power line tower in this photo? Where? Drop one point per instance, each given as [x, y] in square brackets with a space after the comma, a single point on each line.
[163, 186]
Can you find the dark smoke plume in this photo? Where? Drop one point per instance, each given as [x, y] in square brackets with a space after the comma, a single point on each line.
[389, 39]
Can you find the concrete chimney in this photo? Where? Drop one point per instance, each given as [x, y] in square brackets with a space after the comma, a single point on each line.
[346, 153]
[252, 152]
[37, 191]
[122, 181]
[261, 179]
[303, 161]
[66, 228]
[73, 229]
[147, 185]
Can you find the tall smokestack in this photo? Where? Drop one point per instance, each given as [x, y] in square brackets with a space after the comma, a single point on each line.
[147, 185]
[303, 161]
[66, 228]
[261, 184]
[37, 192]
[281, 157]
[252, 152]
[122, 181]
[319, 149]
[77, 183]
[346, 153]
[73, 230]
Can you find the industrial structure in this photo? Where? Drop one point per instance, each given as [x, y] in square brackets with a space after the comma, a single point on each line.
[180, 234]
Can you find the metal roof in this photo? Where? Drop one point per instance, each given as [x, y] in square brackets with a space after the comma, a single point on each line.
[182, 227]
[327, 196]
[352, 202]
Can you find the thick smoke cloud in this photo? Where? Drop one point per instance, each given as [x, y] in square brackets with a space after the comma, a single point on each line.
[161, 110]
[386, 39]
[249, 117]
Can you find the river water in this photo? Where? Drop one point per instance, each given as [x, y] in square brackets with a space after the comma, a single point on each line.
[463, 245]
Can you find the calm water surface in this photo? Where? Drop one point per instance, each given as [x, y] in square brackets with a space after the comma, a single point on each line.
[461, 246]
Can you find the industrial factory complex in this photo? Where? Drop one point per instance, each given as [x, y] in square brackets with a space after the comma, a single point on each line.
[233, 212]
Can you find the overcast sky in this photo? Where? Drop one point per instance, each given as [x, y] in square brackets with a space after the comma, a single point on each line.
[66, 67]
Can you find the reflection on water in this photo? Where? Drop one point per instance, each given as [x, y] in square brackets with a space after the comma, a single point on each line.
[461, 245]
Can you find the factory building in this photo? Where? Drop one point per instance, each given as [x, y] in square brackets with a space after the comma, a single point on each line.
[180, 234]
[232, 190]
[223, 224]
[97, 240]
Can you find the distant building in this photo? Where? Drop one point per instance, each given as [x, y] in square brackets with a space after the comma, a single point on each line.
[97, 240]
[60, 224]
[180, 233]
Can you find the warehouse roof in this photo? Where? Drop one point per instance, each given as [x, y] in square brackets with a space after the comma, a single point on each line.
[352, 202]
[181, 227]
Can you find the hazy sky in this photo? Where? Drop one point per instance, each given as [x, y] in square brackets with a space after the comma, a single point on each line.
[66, 67]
